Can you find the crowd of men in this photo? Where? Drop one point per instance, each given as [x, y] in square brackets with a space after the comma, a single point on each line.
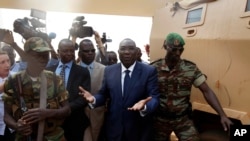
[56, 96]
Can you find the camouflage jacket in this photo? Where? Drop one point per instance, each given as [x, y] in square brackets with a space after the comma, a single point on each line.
[175, 85]
[56, 94]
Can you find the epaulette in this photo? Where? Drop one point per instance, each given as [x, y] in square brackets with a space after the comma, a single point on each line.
[158, 60]
[189, 62]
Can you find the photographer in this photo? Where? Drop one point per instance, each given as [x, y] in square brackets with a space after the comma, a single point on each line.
[80, 30]
[101, 54]
[9, 39]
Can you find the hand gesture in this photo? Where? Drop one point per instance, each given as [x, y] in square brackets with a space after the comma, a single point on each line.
[98, 38]
[139, 105]
[23, 128]
[34, 115]
[86, 95]
[8, 37]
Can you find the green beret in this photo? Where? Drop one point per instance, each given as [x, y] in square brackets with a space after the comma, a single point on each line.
[175, 39]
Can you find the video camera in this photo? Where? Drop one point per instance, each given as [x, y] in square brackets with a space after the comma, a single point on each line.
[79, 30]
[104, 38]
[30, 27]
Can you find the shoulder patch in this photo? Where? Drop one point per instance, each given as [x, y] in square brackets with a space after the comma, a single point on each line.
[158, 60]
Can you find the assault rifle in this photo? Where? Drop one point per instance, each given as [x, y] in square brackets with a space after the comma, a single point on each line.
[21, 100]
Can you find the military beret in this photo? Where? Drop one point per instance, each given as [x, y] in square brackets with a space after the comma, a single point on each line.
[36, 44]
[175, 39]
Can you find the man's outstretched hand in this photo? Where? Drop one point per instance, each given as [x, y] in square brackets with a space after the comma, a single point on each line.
[86, 95]
[139, 105]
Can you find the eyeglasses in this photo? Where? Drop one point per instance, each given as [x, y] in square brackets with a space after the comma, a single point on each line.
[174, 49]
[88, 51]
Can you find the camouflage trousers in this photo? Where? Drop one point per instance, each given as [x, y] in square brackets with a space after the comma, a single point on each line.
[183, 127]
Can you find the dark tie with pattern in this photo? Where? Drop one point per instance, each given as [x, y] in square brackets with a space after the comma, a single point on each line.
[62, 74]
[126, 82]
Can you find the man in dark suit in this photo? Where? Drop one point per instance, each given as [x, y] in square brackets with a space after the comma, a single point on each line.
[96, 116]
[131, 104]
[74, 76]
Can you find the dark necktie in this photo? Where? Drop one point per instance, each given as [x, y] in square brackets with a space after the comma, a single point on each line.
[62, 74]
[126, 82]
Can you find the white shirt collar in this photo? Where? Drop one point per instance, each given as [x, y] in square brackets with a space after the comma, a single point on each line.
[131, 68]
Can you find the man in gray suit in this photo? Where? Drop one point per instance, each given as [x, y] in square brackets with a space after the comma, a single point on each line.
[87, 55]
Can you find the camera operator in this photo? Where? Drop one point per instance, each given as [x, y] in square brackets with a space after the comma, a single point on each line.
[9, 39]
[22, 27]
[101, 55]
[86, 59]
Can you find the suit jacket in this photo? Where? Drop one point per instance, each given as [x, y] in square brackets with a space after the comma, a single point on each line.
[120, 122]
[96, 77]
[77, 121]
[96, 116]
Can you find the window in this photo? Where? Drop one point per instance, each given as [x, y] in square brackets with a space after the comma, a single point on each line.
[247, 6]
[195, 16]
[245, 9]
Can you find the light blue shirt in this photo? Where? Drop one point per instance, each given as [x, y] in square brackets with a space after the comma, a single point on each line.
[18, 66]
[2, 124]
[52, 62]
[90, 66]
[67, 70]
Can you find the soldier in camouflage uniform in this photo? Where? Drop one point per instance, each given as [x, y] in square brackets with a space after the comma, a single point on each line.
[26, 122]
[176, 77]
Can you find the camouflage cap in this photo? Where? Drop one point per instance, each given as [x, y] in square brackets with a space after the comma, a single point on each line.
[36, 44]
[175, 39]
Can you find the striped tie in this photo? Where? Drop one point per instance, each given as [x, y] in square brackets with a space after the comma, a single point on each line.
[62, 73]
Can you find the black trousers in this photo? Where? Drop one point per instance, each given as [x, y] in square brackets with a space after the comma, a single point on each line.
[8, 136]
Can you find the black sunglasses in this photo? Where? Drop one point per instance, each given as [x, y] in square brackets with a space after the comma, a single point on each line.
[174, 49]
[88, 50]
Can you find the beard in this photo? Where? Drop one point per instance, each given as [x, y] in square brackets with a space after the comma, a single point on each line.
[172, 58]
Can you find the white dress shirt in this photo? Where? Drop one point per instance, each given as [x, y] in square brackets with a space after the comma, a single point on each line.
[131, 68]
